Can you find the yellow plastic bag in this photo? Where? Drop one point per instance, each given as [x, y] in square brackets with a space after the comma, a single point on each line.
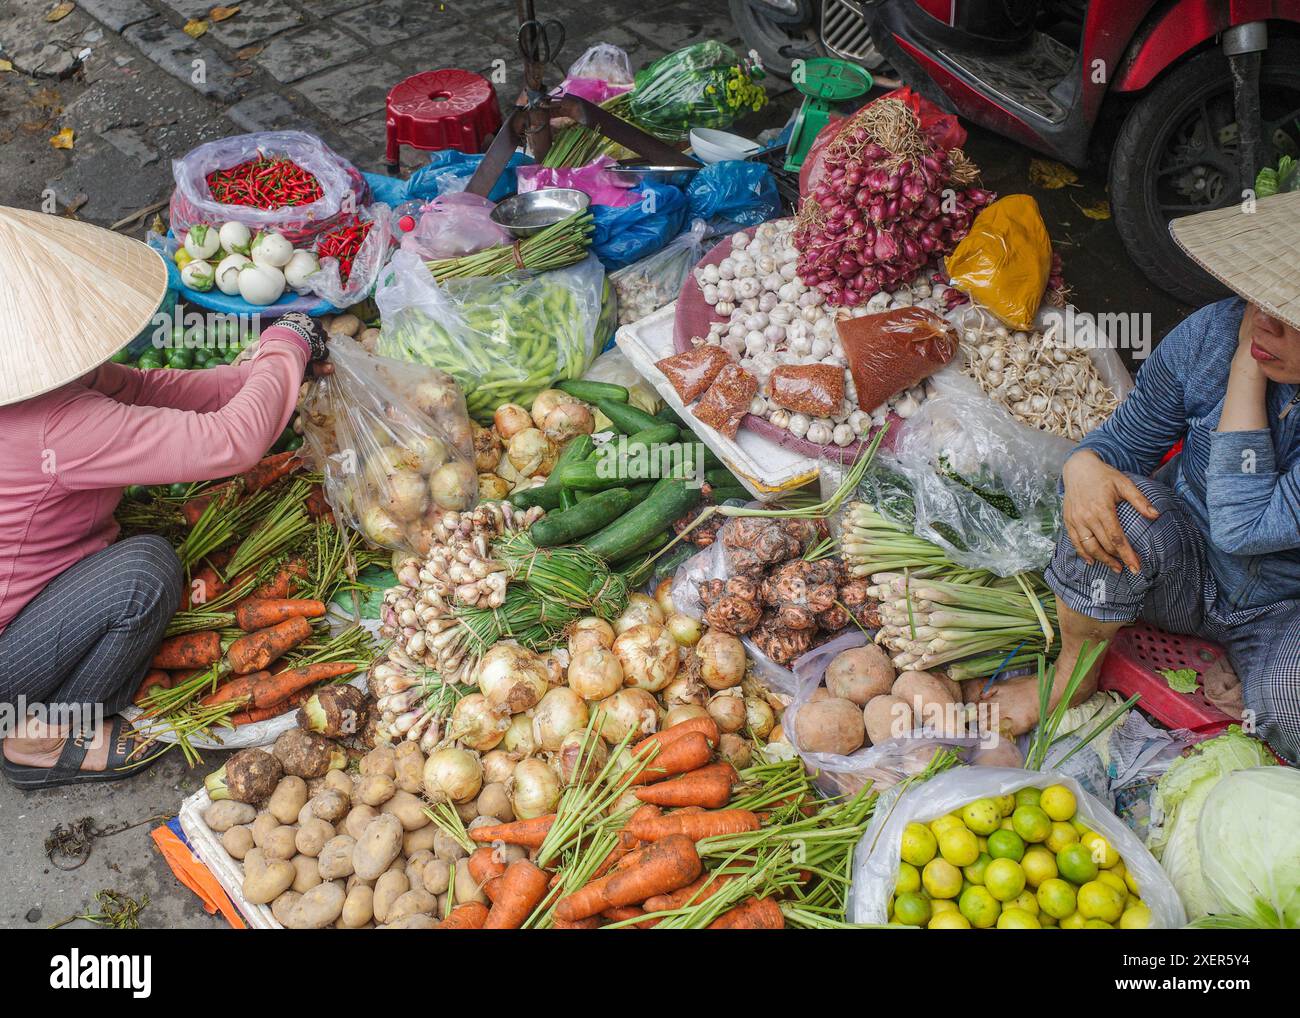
[1004, 261]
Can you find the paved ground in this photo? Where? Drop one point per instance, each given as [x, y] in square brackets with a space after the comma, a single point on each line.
[125, 78]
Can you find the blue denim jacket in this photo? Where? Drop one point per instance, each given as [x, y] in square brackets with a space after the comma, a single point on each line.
[1242, 487]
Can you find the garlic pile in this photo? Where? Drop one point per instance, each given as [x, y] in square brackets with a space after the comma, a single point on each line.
[1039, 379]
[771, 319]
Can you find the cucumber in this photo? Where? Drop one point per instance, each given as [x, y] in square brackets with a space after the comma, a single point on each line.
[590, 392]
[626, 418]
[645, 548]
[668, 414]
[721, 477]
[720, 494]
[577, 449]
[567, 499]
[589, 475]
[657, 435]
[571, 525]
[640, 492]
[669, 499]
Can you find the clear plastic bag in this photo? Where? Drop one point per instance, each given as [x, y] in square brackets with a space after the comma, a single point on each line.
[706, 84]
[345, 189]
[875, 861]
[370, 258]
[603, 61]
[394, 443]
[453, 225]
[613, 366]
[655, 281]
[504, 338]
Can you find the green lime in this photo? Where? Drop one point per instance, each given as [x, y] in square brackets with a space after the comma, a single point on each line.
[980, 907]
[975, 871]
[1029, 796]
[1031, 823]
[1004, 879]
[912, 909]
[1006, 845]
[981, 816]
[1076, 864]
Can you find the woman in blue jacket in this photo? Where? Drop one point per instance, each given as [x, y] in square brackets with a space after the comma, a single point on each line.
[1210, 544]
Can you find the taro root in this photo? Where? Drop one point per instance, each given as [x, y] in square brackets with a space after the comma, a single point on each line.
[249, 776]
[334, 712]
[780, 644]
[733, 615]
[307, 754]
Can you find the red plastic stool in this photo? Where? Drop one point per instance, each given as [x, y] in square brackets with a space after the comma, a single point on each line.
[1133, 665]
[436, 110]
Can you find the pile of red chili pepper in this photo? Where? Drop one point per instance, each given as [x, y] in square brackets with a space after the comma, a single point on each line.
[343, 242]
[265, 184]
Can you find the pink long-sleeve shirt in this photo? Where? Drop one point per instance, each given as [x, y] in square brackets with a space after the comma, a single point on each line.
[65, 456]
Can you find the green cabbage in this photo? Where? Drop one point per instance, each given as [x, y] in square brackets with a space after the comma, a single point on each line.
[1250, 846]
[1176, 809]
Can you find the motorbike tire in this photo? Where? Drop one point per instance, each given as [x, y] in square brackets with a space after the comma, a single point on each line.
[1141, 142]
[768, 38]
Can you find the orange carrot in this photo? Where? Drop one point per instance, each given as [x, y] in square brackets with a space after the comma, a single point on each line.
[706, 786]
[484, 865]
[255, 651]
[204, 586]
[705, 726]
[193, 509]
[696, 825]
[156, 678]
[677, 757]
[622, 912]
[663, 867]
[492, 888]
[693, 893]
[269, 470]
[529, 833]
[256, 714]
[469, 916]
[264, 689]
[590, 923]
[189, 650]
[259, 613]
[752, 914]
[626, 842]
[522, 887]
[315, 504]
[282, 583]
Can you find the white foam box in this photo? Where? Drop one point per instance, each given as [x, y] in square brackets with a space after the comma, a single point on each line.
[228, 870]
[765, 468]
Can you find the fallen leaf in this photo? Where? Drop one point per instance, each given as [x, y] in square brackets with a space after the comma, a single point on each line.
[1098, 210]
[6, 65]
[247, 52]
[243, 72]
[158, 226]
[194, 28]
[222, 13]
[61, 11]
[1051, 176]
[70, 210]
[63, 139]
[45, 98]
[1182, 680]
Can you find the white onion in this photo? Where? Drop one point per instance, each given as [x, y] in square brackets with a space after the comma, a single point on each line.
[510, 419]
[571, 752]
[641, 609]
[594, 673]
[664, 596]
[728, 711]
[685, 630]
[628, 710]
[759, 716]
[519, 739]
[452, 774]
[590, 632]
[560, 712]
[513, 678]
[497, 767]
[475, 724]
[684, 689]
[722, 659]
[534, 789]
[684, 712]
[648, 655]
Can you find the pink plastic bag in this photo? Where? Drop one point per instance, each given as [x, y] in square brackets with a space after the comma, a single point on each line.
[453, 225]
[594, 180]
[592, 89]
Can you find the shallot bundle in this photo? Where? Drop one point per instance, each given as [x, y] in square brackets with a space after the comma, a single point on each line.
[890, 203]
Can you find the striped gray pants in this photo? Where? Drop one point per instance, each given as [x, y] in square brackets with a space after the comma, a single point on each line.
[1176, 591]
[88, 637]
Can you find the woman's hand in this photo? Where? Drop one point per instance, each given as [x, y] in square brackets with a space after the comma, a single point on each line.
[1093, 488]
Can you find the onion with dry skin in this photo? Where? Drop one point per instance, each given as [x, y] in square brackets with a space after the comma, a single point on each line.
[497, 765]
[590, 632]
[531, 452]
[628, 710]
[519, 739]
[546, 401]
[510, 419]
[534, 789]
[664, 596]
[759, 716]
[685, 630]
[683, 712]
[571, 751]
[595, 673]
[641, 610]
[475, 724]
[452, 775]
[513, 678]
[722, 659]
[560, 712]
[567, 420]
[648, 656]
[727, 709]
[453, 485]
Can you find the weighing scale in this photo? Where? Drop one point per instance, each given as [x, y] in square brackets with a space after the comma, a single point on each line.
[825, 83]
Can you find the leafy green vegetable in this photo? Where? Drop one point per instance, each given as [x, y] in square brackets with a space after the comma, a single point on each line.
[1272, 181]
[1181, 680]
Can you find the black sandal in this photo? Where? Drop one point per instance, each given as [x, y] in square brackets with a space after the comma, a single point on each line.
[123, 762]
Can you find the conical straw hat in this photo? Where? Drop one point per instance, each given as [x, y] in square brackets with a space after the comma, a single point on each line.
[1252, 252]
[71, 296]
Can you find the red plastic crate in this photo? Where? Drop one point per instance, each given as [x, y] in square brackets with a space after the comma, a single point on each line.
[1133, 665]
[433, 110]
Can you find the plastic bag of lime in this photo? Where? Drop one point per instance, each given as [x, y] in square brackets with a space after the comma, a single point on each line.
[999, 848]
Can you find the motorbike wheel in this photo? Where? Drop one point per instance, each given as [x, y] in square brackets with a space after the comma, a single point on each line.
[777, 45]
[1176, 154]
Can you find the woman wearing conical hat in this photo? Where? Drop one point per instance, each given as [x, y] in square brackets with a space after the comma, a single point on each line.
[81, 613]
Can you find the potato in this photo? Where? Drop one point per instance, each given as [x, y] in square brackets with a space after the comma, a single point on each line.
[887, 717]
[312, 835]
[335, 859]
[264, 880]
[376, 849]
[388, 888]
[279, 843]
[398, 863]
[331, 805]
[493, 802]
[418, 841]
[467, 811]
[407, 808]
[318, 908]
[929, 691]
[419, 921]
[283, 906]
[262, 826]
[833, 725]
[356, 881]
[288, 799]
[412, 902]
[436, 876]
[415, 867]
[358, 819]
[446, 847]
[223, 815]
[467, 888]
[305, 814]
[341, 782]
[380, 760]
[859, 674]
[237, 841]
[375, 789]
[408, 765]
[358, 907]
[306, 873]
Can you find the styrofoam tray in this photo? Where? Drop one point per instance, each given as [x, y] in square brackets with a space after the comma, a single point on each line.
[765, 468]
[228, 870]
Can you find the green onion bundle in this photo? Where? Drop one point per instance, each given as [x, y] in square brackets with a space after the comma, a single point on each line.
[558, 246]
[578, 145]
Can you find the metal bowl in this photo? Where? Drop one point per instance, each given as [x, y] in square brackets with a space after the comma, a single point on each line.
[532, 212]
[635, 173]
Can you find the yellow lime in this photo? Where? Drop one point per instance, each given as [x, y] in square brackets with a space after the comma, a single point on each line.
[1080, 826]
[1062, 834]
[942, 905]
[1119, 869]
[981, 816]
[1097, 924]
[1006, 824]
[975, 871]
[1031, 823]
[909, 878]
[1025, 900]
[1006, 845]
[1136, 918]
[912, 909]
[1131, 883]
[1018, 919]
[1047, 922]
[941, 879]
[1074, 921]
[980, 907]
[945, 823]
[959, 846]
[982, 842]
[1056, 898]
[1101, 850]
[1109, 878]
[1100, 901]
[1058, 802]
[1006, 804]
[1004, 879]
[948, 920]
[182, 258]
[1038, 864]
[918, 844]
[1028, 796]
[1076, 864]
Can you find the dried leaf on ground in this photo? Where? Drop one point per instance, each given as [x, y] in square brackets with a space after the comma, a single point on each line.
[61, 11]
[222, 13]
[6, 65]
[1097, 210]
[64, 139]
[1051, 176]
[248, 52]
[194, 28]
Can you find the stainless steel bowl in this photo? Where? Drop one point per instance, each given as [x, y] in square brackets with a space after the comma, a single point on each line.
[529, 213]
[635, 173]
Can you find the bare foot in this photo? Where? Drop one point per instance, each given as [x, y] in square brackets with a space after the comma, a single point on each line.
[43, 750]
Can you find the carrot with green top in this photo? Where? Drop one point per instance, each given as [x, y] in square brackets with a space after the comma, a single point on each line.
[704, 824]
[282, 583]
[692, 750]
[753, 914]
[469, 916]
[255, 651]
[705, 726]
[529, 833]
[155, 678]
[255, 613]
[520, 890]
[249, 717]
[663, 867]
[188, 651]
[702, 889]
[262, 689]
[269, 470]
[708, 786]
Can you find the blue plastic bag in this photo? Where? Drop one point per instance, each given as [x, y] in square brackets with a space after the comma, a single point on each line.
[447, 170]
[625, 235]
[734, 195]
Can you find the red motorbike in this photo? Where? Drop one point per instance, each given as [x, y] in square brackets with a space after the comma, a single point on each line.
[1187, 98]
